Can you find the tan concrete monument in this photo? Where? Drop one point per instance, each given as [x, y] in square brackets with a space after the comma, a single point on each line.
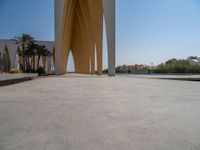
[79, 29]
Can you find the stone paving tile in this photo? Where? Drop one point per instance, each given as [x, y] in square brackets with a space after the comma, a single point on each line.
[100, 113]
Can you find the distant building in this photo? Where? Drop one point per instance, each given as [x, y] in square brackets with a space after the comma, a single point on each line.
[133, 68]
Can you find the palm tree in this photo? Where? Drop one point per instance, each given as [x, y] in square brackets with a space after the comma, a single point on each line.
[192, 57]
[23, 44]
[30, 53]
[41, 50]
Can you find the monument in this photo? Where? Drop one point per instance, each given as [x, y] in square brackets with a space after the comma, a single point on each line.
[79, 29]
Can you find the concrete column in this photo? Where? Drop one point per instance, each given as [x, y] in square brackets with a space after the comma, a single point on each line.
[58, 15]
[109, 13]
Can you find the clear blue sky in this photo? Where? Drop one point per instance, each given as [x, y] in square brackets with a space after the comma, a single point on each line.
[147, 30]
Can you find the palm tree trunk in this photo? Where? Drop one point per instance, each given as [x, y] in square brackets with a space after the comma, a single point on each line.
[24, 64]
[33, 62]
[29, 63]
[21, 63]
[44, 61]
[38, 62]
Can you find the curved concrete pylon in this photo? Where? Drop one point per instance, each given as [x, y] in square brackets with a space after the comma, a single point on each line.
[79, 28]
[11, 46]
[109, 13]
[12, 54]
[6, 60]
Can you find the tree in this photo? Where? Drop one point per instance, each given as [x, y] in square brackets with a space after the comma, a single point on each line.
[41, 50]
[192, 57]
[27, 50]
[30, 53]
[177, 66]
[23, 45]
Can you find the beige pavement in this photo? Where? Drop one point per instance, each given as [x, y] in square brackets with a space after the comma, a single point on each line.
[100, 113]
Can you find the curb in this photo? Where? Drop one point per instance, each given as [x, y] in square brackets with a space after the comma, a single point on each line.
[14, 81]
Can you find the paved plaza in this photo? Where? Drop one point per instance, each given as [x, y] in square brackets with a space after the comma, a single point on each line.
[77, 112]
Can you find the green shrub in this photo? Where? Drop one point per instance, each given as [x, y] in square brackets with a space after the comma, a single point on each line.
[177, 66]
[14, 70]
[29, 70]
[41, 71]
